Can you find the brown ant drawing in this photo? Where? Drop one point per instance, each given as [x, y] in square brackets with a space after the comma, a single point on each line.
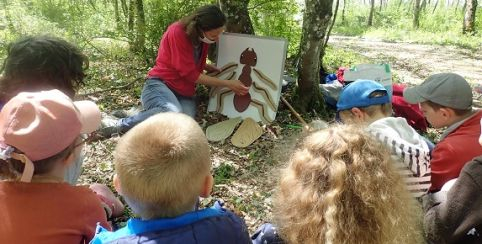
[241, 102]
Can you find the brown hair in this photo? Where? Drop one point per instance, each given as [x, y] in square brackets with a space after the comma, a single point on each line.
[458, 112]
[41, 63]
[341, 187]
[161, 164]
[12, 169]
[205, 18]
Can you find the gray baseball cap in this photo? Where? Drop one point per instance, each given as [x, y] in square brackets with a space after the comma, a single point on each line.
[447, 89]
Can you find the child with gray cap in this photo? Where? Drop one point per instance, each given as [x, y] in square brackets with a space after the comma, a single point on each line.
[446, 101]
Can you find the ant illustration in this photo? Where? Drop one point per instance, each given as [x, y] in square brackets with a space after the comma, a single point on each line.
[248, 58]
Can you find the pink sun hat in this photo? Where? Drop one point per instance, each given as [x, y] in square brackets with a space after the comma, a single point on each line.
[42, 124]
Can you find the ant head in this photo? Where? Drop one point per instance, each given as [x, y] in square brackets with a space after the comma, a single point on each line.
[248, 57]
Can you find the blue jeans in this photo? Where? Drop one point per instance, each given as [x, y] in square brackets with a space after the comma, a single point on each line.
[156, 98]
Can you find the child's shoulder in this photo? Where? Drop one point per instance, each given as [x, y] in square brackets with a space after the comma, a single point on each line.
[393, 126]
[211, 225]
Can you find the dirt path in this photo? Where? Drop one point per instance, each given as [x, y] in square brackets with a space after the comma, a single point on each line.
[412, 63]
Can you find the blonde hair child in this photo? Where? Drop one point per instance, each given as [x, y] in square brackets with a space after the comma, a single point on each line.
[341, 187]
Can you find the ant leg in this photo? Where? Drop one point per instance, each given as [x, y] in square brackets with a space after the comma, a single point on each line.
[266, 96]
[261, 109]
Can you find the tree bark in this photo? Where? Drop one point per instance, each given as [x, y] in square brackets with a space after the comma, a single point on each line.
[335, 13]
[117, 16]
[316, 20]
[372, 11]
[469, 17]
[435, 7]
[343, 12]
[237, 15]
[416, 14]
[124, 8]
[141, 28]
[130, 18]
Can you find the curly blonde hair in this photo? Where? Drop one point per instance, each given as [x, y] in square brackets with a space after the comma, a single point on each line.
[341, 187]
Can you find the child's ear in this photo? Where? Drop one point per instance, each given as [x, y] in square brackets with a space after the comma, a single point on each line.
[358, 114]
[207, 186]
[447, 113]
[117, 184]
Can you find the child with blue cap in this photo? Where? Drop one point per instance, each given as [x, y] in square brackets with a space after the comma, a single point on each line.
[367, 102]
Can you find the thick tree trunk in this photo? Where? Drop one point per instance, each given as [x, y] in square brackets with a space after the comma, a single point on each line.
[141, 28]
[238, 20]
[316, 20]
[416, 14]
[372, 11]
[469, 17]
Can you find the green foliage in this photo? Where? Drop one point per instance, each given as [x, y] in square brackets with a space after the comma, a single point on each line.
[395, 22]
[160, 14]
[277, 19]
[223, 173]
[336, 57]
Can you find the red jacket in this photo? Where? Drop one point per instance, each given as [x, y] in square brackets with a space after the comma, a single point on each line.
[175, 63]
[458, 148]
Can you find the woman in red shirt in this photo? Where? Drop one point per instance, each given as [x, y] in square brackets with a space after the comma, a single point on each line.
[180, 63]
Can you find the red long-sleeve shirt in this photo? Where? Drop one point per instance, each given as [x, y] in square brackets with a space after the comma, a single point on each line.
[175, 62]
[454, 151]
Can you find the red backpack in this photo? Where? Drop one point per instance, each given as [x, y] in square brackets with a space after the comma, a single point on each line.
[411, 112]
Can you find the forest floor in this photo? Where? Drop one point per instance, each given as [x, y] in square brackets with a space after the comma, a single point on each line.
[245, 178]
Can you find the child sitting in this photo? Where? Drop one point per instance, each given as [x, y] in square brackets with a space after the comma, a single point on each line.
[446, 101]
[367, 103]
[163, 167]
[340, 187]
[38, 63]
[38, 137]
[454, 215]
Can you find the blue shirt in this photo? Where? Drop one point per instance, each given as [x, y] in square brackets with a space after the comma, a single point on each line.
[210, 225]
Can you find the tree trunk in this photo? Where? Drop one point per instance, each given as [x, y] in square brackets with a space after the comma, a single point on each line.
[435, 7]
[238, 20]
[117, 17]
[423, 5]
[141, 28]
[372, 10]
[469, 17]
[329, 29]
[316, 20]
[343, 12]
[416, 14]
[381, 4]
[130, 18]
[124, 8]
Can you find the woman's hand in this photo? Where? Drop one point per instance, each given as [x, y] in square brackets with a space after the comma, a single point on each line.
[237, 87]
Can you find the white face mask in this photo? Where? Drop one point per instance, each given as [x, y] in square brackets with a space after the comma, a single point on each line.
[206, 40]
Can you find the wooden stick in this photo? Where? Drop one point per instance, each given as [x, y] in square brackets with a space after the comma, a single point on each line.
[297, 115]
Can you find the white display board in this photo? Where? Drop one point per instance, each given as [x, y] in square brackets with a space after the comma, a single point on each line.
[265, 74]
[377, 72]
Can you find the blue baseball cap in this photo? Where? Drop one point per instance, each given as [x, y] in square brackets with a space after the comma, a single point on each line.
[357, 94]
